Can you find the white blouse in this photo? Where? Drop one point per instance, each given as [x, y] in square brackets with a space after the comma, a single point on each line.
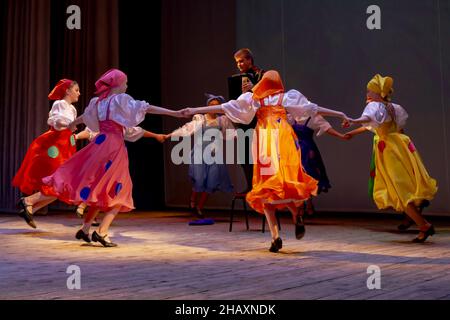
[316, 123]
[245, 107]
[61, 115]
[378, 115]
[123, 110]
[199, 120]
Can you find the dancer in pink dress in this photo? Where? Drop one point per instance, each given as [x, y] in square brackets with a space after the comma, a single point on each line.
[98, 175]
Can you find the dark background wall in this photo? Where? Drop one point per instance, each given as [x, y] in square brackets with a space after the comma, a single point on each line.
[325, 50]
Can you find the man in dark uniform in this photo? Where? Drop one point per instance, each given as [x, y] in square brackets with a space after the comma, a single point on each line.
[241, 83]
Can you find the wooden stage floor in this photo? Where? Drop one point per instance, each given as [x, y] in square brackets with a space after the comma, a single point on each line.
[161, 257]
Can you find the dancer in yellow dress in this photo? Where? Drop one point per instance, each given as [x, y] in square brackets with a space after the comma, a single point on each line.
[399, 179]
[279, 180]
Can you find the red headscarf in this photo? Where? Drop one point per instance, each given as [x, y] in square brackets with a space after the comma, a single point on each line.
[270, 84]
[111, 79]
[59, 91]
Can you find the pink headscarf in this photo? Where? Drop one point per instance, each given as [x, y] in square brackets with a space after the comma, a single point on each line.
[111, 79]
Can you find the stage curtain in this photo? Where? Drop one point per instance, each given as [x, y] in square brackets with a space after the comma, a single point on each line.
[37, 50]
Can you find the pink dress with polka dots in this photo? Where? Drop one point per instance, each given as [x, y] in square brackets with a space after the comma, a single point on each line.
[98, 175]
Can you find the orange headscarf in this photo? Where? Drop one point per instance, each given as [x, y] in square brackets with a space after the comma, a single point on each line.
[270, 84]
[59, 91]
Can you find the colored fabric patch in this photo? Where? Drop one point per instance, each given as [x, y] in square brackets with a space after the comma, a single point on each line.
[85, 192]
[411, 147]
[100, 139]
[118, 188]
[108, 165]
[381, 146]
[53, 152]
[73, 142]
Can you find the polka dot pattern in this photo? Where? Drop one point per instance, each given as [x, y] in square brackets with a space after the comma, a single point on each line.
[118, 188]
[100, 139]
[84, 193]
[53, 152]
[108, 165]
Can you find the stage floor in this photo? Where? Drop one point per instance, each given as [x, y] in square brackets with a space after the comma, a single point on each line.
[161, 257]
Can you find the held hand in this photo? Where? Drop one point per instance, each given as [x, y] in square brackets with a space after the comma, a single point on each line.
[346, 121]
[347, 137]
[161, 138]
[187, 112]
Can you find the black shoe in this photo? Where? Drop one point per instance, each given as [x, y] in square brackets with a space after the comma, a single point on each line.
[81, 235]
[299, 228]
[276, 245]
[98, 238]
[429, 232]
[25, 214]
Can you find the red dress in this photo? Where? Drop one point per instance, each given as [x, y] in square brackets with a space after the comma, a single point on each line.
[46, 153]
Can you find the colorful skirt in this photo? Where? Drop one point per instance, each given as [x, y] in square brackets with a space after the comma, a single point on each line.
[398, 176]
[45, 154]
[98, 175]
[278, 176]
[209, 177]
[311, 158]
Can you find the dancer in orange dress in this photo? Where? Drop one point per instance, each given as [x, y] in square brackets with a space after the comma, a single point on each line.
[279, 180]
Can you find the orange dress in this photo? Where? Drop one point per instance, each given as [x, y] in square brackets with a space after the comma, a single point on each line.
[278, 175]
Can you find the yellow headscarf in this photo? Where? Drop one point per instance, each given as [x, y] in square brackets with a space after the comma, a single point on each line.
[382, 85]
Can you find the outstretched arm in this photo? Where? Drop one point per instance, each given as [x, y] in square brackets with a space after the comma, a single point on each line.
[337, 134]
[159, 137]
[356, 131]
[209, 109]
[164, 111]
[361, 120]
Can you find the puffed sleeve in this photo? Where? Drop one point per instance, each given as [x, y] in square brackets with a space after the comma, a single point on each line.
[190, 127]
[241, 110]
[401, 116]
[377, 114]
[130, 112]
[90, 116]
[61, 115]
[133, 134]
[298, 105]
[319, 124]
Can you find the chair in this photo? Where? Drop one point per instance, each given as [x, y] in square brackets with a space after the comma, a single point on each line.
[239, 196]
[242, 196]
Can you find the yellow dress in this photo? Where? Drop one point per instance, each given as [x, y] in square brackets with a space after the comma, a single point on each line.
[278, 175]
[399, 176]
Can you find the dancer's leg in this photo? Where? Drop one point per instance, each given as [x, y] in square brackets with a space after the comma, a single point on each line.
[269, 212]
[107, 220]
[89, 218]
[202, 200]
